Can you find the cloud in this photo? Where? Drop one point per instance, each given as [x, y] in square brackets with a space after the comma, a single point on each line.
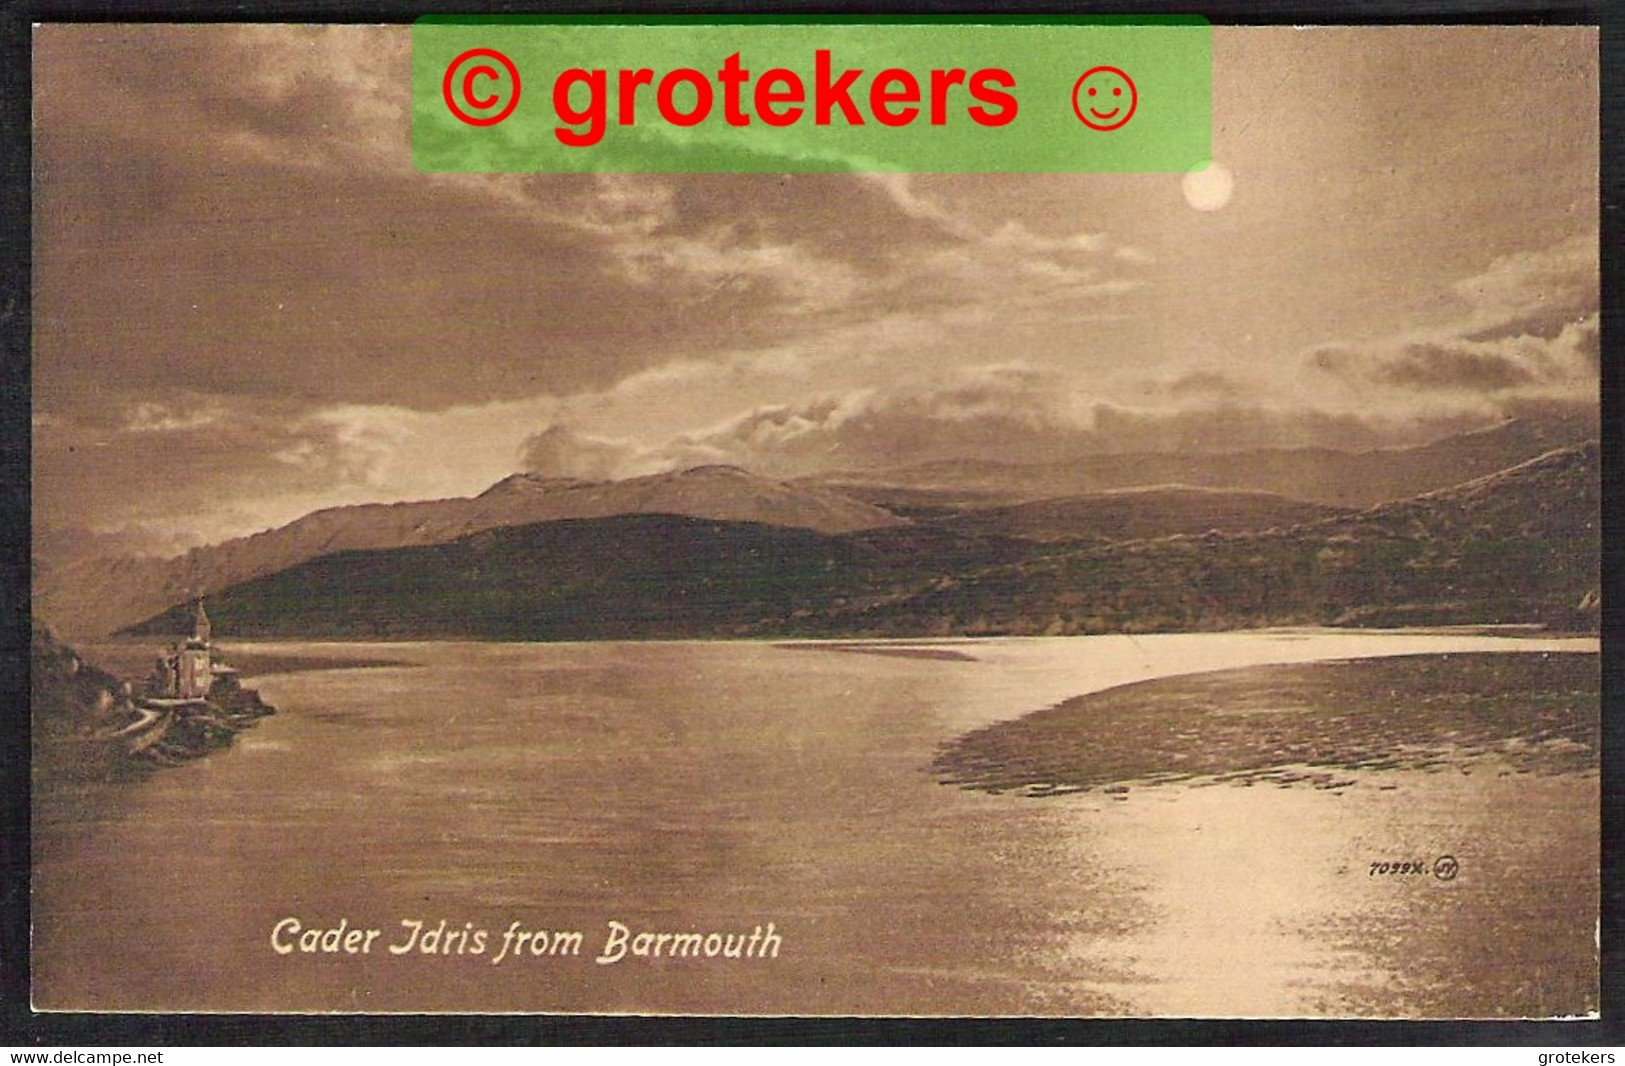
[1567, 362]
[138, 466]
[147, 416]
[1021, 414]
[1204, 383]
[199, 468]
[1004, 265]
[265, 233]
[718, 265]
[559, 451]
[249, 279]
[1228, 426]
[270, 215]
[1534, 293]
[1531, 331]
[984, 410]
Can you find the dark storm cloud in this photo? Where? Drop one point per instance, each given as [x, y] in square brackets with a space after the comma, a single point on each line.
[236, 261]
[314, 286]
[236, 210]
[228, 221]
[1505, 365]
[1428, 366]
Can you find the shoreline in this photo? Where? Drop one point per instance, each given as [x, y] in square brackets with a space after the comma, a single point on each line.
[1289, 724]
[1510, 630]
[1507, 630]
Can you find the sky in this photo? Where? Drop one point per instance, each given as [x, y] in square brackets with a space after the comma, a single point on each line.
[249, 304]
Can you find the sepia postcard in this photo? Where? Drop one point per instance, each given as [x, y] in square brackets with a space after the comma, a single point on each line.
[1127, 595]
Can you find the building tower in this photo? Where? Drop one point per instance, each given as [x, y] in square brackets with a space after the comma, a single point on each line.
[194, 659]
[201, 629]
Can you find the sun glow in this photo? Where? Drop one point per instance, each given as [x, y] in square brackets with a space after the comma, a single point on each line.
[1208, 187]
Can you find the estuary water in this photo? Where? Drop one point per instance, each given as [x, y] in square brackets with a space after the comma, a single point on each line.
[616, 789]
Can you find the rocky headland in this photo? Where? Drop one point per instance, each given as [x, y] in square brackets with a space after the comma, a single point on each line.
[88, 723]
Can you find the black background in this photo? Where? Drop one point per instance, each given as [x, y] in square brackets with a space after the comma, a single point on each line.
[20, 1026]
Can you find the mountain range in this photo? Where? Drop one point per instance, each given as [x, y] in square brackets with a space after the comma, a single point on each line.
[1519, 546]
[942, 523]
[97, 596]
[1132, 514]
[1332, 478]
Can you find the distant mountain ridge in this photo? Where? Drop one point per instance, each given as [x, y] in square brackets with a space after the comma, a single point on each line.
[1520, 546]
[99, 596]
[624, 576]
[1136, 513]
[1523, 545]
[1313, 475]
[1231, 493]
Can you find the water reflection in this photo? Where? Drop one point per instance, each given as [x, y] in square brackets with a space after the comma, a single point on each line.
[717, 786]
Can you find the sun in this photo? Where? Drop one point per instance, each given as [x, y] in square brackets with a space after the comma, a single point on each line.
[1208, 187]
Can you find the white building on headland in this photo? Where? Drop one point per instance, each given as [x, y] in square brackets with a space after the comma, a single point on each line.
[189, 670]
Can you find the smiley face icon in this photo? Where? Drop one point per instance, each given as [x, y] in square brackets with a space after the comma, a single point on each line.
[1104, 98]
